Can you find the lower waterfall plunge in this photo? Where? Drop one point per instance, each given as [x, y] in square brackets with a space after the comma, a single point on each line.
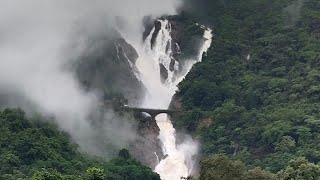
[179, 158]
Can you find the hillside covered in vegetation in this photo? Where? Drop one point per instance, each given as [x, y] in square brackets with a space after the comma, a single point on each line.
[255, 96]
[37, 150]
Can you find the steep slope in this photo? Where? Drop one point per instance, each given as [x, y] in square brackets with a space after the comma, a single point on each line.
[107, 66]
[255, 96]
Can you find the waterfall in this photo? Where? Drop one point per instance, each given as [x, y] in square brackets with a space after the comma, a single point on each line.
[178, 162]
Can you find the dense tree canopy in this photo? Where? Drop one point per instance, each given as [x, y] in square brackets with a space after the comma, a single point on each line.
[255, 96]
[36, 149]
[220, 167]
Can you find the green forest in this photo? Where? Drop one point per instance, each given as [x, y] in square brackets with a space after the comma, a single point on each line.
[33, 149]
[255, 96]
[253, 103]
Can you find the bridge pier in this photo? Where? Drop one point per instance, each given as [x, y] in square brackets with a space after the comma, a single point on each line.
[153, 116]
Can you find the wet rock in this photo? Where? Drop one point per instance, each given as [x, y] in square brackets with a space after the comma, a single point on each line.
[164, 73]
[103, 68]
[148, 24]
[147, 148]
[157, 26]
[172, 64]
[175, 103]
[130, 51]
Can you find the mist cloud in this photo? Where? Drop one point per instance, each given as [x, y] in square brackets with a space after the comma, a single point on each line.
[293, 11]
[35, 51]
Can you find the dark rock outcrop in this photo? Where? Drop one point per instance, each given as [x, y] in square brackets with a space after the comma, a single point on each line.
[172, 64]
[163, 72]
[147, 147]
[104, 68]
[186, 37]
[157, 26]
[128, 50]
[148, 23]
[175, 103]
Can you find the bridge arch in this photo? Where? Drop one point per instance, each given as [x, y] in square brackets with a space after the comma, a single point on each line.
[152, 112]
[155, 118]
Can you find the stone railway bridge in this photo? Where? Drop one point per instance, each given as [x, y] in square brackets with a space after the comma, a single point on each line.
[152, 112]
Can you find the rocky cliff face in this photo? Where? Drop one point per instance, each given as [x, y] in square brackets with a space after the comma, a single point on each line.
[176, 105]
[107, 67]
[147, 147]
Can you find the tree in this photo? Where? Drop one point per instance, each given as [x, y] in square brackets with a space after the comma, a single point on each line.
[220, 167]
[259, 174]
[46, 175]
[300, 169]
[124, 153]
[95, 174]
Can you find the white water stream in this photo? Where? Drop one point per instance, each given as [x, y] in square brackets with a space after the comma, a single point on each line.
[179, 161]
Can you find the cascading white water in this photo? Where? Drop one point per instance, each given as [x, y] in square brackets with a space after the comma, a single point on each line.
[179, 162]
